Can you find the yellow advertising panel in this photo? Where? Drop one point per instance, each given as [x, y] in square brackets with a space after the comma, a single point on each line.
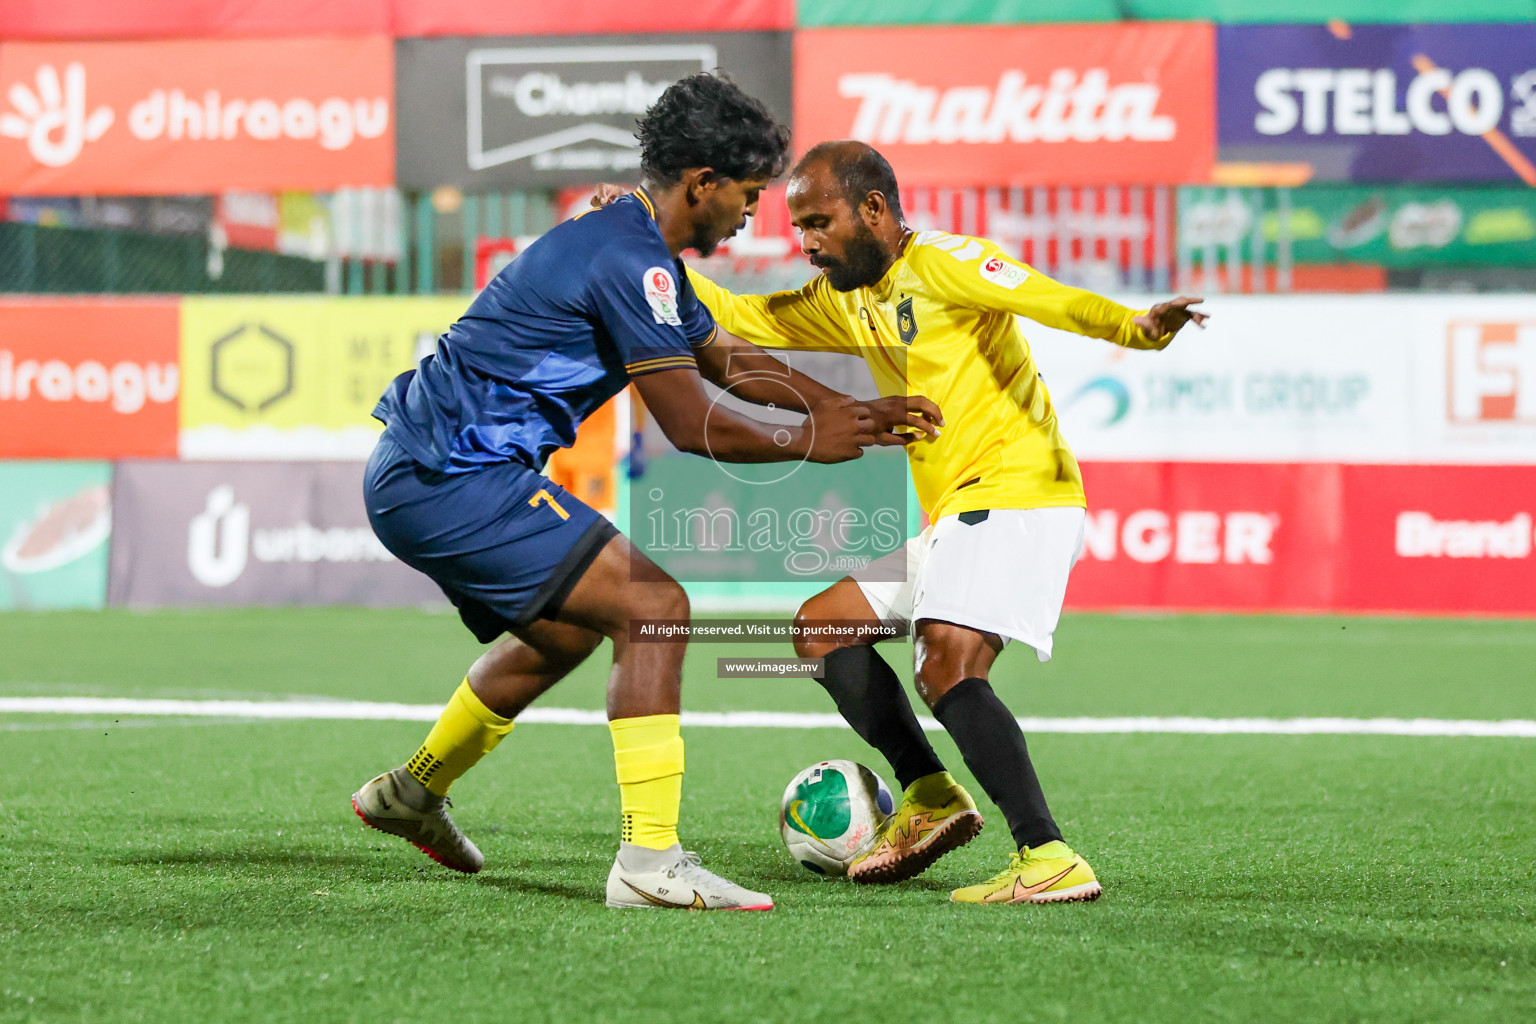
[296, 378]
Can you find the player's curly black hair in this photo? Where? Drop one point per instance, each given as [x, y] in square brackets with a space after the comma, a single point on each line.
[705, 120]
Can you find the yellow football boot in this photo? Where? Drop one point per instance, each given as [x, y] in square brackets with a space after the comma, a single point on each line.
[1050, 873]
[936, 815]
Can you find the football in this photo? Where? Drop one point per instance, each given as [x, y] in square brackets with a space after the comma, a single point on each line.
[831, 814]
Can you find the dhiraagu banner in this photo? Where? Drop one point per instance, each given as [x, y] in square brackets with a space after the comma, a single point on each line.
[55, 518]
[296, 378]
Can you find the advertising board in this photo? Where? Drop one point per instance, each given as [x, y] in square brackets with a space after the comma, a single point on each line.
[278, 378]
[513, 112]
[55, 521]
[1013, 105]
[278, 533]
[1380, 103]
[196, 116]
[88, 378]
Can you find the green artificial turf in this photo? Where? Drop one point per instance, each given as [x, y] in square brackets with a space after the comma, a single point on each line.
[194, 870]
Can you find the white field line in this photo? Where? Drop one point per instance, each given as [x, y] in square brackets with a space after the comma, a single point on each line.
[371, 711]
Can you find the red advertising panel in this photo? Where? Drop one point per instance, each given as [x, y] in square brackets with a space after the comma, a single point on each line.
[1041, 104]
[1439, 539]
[188, 19]
[176, 117]
[204, 19]
[83, 379]
[496, 17]
[1308, 536]
[1207, 535]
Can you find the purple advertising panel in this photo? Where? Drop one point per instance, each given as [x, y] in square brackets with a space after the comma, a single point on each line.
[1380, 103]
[243, 533]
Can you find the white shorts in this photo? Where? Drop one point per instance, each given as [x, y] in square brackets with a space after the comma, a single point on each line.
[1006, 574]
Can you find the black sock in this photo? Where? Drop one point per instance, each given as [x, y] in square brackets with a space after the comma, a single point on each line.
[992, 744]
[871, 698]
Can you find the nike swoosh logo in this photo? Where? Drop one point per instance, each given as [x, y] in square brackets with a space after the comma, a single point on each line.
[1020, 891]
[697, 904]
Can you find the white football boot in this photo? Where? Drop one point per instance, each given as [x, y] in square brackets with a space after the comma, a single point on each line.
[396, 803]
[674, 878]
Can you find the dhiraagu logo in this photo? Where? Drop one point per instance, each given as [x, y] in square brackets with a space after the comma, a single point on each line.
[1105, 401]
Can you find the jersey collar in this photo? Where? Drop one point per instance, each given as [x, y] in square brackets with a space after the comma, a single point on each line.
[882, 288]
[645, 201]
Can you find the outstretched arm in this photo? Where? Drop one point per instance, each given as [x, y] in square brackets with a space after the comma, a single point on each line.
[976, 272]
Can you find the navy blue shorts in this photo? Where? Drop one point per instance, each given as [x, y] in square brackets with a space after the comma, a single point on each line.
[506, 544]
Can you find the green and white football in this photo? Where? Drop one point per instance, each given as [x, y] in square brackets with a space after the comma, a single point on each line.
[832, 813]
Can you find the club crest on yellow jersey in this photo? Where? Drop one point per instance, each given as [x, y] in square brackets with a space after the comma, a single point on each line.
[906, 320]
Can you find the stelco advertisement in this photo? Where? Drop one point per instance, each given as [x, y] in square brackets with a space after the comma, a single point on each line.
[1378, 103]
[535, 113]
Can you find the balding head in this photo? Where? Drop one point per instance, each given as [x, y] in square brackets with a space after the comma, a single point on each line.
[857, 168]
[842, 197]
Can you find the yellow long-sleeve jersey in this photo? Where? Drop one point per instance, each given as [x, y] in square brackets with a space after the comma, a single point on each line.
[941, 323]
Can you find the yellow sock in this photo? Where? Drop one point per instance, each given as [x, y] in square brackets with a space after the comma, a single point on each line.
[466, 731]
[648, 754]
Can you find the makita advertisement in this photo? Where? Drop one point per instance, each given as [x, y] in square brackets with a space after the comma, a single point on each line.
[1380, 103]
[251, 534]
[1015, 105]
[519, 113]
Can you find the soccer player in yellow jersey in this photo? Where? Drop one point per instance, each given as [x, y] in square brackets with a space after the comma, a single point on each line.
[935, 314]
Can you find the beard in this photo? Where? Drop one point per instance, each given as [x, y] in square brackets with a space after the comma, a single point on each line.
[705, 241]
[708, 237]
[863, 263]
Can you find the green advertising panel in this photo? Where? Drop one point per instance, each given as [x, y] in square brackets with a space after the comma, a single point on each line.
[55, 518]
[1391, 227]
[1024, 12]
[772, 524]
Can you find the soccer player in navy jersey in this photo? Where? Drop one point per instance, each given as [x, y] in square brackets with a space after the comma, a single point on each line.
[454, 486]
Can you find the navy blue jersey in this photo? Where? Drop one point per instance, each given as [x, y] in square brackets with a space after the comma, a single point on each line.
[561, 330]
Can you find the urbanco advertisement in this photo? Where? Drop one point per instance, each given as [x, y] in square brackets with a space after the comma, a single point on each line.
[277, 533]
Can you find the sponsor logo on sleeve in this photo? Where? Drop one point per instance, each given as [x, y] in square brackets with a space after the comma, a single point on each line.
[1003, 274]
[661, 296]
